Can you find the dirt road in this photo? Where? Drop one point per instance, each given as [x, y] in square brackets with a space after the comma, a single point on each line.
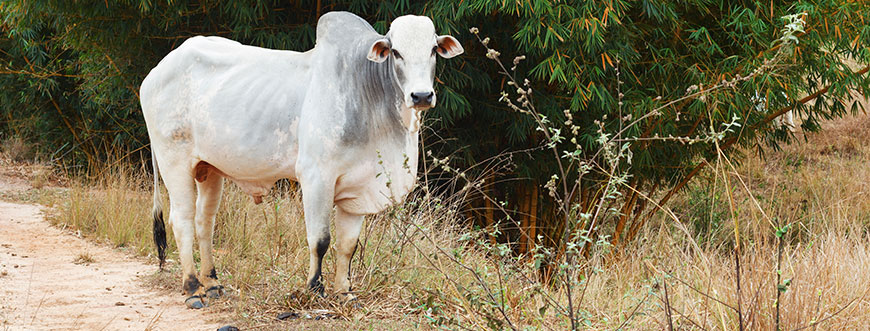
[48, 283]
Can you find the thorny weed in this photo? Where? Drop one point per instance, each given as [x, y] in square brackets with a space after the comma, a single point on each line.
[572, 271]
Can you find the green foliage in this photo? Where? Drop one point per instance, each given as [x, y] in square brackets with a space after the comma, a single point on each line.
[665, 47]
[605, 67]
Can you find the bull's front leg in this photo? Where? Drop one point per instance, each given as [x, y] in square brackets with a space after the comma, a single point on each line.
[347, 229]
[317, 201]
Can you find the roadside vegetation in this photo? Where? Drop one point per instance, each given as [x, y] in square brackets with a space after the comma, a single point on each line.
[411, 267]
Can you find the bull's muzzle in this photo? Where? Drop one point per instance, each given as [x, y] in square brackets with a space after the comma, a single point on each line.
[422, 99]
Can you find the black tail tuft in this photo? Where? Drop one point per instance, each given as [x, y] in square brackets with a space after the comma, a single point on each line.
[160, 236]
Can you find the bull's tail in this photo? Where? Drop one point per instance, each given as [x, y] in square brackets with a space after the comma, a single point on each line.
[157, 213]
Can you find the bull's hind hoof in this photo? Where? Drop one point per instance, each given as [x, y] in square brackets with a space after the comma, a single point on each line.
[350, 300]
[194, 302]
[316, 288]
[353, 304]
[347, 297]
[214, 292]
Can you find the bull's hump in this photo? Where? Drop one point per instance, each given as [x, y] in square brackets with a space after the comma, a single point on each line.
[343, 28]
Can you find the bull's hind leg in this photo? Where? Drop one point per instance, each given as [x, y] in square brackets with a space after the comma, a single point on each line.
[347, 229]
[182, 195]
[207, 201]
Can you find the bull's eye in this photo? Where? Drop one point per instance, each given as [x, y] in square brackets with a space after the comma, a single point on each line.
[434, 49]
[397, 55]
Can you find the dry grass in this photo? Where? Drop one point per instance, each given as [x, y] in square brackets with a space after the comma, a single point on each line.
[41, 176]
[16, 149]
[262, 256]
[113, 209]
[819, 187]
[84, 258]
[412, 269]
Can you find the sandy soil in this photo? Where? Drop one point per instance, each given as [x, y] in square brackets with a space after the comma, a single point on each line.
[46, 285]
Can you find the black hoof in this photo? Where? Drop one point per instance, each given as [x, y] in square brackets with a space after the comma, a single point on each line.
[317, 288]
[354, 303]
[324, 316]
[288, 315]
[214, 292]
[228, 328]
[194, 302]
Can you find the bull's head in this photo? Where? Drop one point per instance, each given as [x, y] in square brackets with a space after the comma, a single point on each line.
[412, 43]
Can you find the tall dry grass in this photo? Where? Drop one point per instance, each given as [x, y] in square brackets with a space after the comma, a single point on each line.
[418, 266]
[818, 186]
[111, 209]
[262, 255]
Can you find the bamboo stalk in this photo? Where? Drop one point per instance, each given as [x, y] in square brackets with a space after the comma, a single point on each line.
[524, 219]
[533, 218]
[489, 211]
[319, 7]
[638, 212]
[806, 99]
[626, 212]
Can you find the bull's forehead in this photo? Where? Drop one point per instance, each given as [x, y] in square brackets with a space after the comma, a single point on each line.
[412, 33]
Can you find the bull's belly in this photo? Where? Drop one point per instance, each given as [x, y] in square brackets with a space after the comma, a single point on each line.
[254, 176]
[254, 171]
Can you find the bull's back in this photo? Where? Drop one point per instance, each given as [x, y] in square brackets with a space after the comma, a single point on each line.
[231, 105]
[168, 74]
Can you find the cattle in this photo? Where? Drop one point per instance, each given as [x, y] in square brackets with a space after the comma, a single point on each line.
[341, 119]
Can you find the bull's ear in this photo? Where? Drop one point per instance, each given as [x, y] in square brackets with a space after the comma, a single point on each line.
[380, 51]
[448, 47]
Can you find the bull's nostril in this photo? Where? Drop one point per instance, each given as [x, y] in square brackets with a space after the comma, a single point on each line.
[422, 97]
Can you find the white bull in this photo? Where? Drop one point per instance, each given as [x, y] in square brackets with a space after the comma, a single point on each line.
[342, 119]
